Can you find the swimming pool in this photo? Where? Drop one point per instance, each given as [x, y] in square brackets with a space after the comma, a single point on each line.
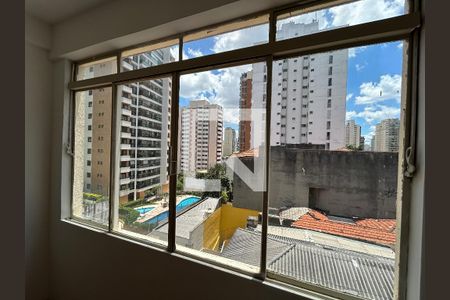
[183, 204]
[143, 210]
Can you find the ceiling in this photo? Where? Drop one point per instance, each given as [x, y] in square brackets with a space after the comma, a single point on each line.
[55, 11]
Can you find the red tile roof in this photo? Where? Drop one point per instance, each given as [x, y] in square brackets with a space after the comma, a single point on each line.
[380, 231]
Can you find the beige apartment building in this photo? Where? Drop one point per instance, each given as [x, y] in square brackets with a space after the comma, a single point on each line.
[200, 136]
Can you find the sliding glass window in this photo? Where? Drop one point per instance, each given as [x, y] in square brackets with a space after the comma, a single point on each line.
[283, 161]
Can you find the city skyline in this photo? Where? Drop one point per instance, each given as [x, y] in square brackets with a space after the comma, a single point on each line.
[373, 81]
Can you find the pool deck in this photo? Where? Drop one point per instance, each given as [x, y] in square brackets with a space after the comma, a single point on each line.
[159, 209]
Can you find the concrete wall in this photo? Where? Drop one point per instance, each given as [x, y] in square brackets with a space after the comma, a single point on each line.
[38, 102]
[343, 183]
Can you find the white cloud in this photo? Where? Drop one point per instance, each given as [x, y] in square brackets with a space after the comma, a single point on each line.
[387, 88]
[349, 96]
[359, 67]
[194, 53]
[400, 45]
[350, 115]
[359, 12]
[375, 113]
[241, 38]
[221, 87]
[352, 52]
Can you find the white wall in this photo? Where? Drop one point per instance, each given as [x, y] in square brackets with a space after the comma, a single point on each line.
[38, 115]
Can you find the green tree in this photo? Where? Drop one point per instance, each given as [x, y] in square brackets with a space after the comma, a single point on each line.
[128, 215]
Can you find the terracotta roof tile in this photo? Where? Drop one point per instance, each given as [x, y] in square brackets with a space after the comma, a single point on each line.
[380, 231]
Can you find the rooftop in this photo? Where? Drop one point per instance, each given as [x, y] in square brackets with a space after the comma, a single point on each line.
[379, 231]
[188, 220]
[366, 276]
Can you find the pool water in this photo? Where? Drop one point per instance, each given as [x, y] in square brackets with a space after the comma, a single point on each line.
[143, 210]
[183, 204]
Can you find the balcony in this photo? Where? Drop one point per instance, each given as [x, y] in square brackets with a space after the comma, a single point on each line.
[125, 146]
[126, 112]
[124, 134]
[126, 66]
[125, 169]
[125, 180]
[126, 100]
[125, 158]
[125, 123]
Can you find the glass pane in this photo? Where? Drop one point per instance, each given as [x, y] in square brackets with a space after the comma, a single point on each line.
[97, 68]
[151, 55]
[143, 136]
[308, 21]
[92, 150]
[228, 37]
[333, 169]
[212, 103]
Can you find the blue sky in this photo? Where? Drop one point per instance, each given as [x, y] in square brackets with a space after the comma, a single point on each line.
[374, 72]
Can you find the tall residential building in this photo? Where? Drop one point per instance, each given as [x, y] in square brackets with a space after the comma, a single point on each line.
[245, 104]
[352, 134]
[386, 136]
[201, 136]
[308, 95]
[95, 110]
[144, 128]
[229, 141]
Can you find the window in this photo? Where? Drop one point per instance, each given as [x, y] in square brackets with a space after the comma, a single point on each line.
[95, 69]
[285, 29]
[257, 29]
[211, 120]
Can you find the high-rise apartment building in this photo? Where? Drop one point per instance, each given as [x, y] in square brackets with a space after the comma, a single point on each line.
[245, 106]
[94, 113]
[308, 94]
[201, 131]
[352, 134]
[144, 128]
[229, 141]
[386, 136]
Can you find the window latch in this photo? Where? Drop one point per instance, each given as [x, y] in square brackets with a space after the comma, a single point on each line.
[69, 149]
[410, 168]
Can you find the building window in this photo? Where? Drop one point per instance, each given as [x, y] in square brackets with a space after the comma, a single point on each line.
[330, 81]
[330, 70]
[330, 59]
[329, 92]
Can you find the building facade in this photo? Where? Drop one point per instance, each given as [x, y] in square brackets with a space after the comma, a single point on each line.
[229, 141]
[352, 134]
[308, 95]
[245, 105]
[200, 136]
[386, 136]
[144, 131]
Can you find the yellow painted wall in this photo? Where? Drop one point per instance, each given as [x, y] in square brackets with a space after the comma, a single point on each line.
[232, 218]
[211, 231]
[222, 224]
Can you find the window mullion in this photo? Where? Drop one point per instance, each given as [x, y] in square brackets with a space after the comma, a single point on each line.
[265, 208]
[112, 155]
[173, 160]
